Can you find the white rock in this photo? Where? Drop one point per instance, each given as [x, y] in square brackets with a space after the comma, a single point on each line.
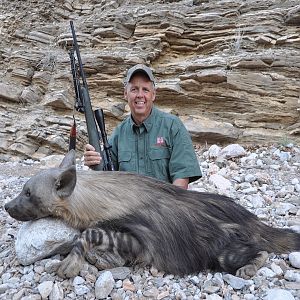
[223, 172]
[78, 280]
[180, 295]
[284, 208]
[250, 178]
[294, 259]
[45, 288]
[285, 156]
[5, 277]
[221, 183]
[277, 153]
[257, 201]
[244, 186]
[275, 167]
[120, 272]
[42, 238]
[214, 151]
[249, 159]
[236, 282]
[279, 294]
[291, 275]
[119, 284]
[51, 161]
[276, 269]
[233, 150]
[250, 191]
[204, 164]
[213, 297]
[263, 178]
[3, 288]
[259, 163]
[195, 279]
[104, 285]
[57, 292]
[266, 272]
[249, 297]
[213, 169]
[81, 289]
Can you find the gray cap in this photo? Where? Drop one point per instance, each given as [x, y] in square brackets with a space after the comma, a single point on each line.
[139, 68]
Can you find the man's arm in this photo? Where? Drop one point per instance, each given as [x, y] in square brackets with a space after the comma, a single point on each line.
[183, 165]
[181, 182]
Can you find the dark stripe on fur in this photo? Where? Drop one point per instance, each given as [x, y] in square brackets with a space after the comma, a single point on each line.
[78, 248]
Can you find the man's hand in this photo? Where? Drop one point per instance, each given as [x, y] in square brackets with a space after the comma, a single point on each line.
[91, 157]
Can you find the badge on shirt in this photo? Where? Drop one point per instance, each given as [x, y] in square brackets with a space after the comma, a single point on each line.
[160, 141]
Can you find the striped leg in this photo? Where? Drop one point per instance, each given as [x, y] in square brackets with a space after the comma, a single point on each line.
[105, 240]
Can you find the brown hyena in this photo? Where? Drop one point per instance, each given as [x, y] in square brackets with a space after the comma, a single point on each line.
[148, 221]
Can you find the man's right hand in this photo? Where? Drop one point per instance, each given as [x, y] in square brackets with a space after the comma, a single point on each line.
[91, 157]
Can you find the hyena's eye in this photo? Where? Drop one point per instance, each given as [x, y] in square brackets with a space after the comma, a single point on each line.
[27, 193]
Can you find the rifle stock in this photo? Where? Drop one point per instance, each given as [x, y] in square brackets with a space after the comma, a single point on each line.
[83, 104]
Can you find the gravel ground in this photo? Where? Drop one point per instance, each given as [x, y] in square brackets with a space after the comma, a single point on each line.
[266, 180]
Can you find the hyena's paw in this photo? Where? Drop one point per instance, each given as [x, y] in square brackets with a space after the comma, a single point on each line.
[104, 260]
[251, 269]
[70, 266]
[246, 272]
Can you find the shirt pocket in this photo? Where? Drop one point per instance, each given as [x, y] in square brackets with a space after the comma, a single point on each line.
[158, 165]
[125, 160]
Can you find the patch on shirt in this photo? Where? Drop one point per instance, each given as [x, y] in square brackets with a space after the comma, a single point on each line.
[160, 141]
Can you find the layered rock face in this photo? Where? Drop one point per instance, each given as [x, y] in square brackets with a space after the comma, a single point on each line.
[228, 68]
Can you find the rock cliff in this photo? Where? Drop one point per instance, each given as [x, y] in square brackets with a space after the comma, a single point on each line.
[228, 68]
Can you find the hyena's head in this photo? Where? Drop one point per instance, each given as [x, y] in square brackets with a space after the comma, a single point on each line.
[44, 191]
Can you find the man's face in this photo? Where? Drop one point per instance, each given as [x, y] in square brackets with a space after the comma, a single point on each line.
[140, 94]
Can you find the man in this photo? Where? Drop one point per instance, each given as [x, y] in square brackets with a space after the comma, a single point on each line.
[150, 142]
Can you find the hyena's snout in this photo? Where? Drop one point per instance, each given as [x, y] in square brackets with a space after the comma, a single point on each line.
[20, 211]
[11, 209]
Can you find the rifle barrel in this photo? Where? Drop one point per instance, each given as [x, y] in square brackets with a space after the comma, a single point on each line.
[76, 48]
[83, 104]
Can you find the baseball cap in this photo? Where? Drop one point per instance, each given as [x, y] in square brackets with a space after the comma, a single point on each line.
[139, 68]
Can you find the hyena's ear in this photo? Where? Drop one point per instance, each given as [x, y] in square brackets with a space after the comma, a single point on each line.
[69, 160]
[65, 182]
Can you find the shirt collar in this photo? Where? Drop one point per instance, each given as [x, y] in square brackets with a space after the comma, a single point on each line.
[148, 123]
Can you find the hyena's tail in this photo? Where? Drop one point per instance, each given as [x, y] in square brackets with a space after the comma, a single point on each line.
[280, 240]
[252, 249]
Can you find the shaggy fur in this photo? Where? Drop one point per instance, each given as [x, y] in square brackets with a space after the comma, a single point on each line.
[148, 221]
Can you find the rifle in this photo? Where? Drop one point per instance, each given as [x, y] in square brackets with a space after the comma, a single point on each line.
[83, 105]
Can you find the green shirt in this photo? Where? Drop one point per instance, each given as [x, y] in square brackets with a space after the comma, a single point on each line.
[160, 147]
